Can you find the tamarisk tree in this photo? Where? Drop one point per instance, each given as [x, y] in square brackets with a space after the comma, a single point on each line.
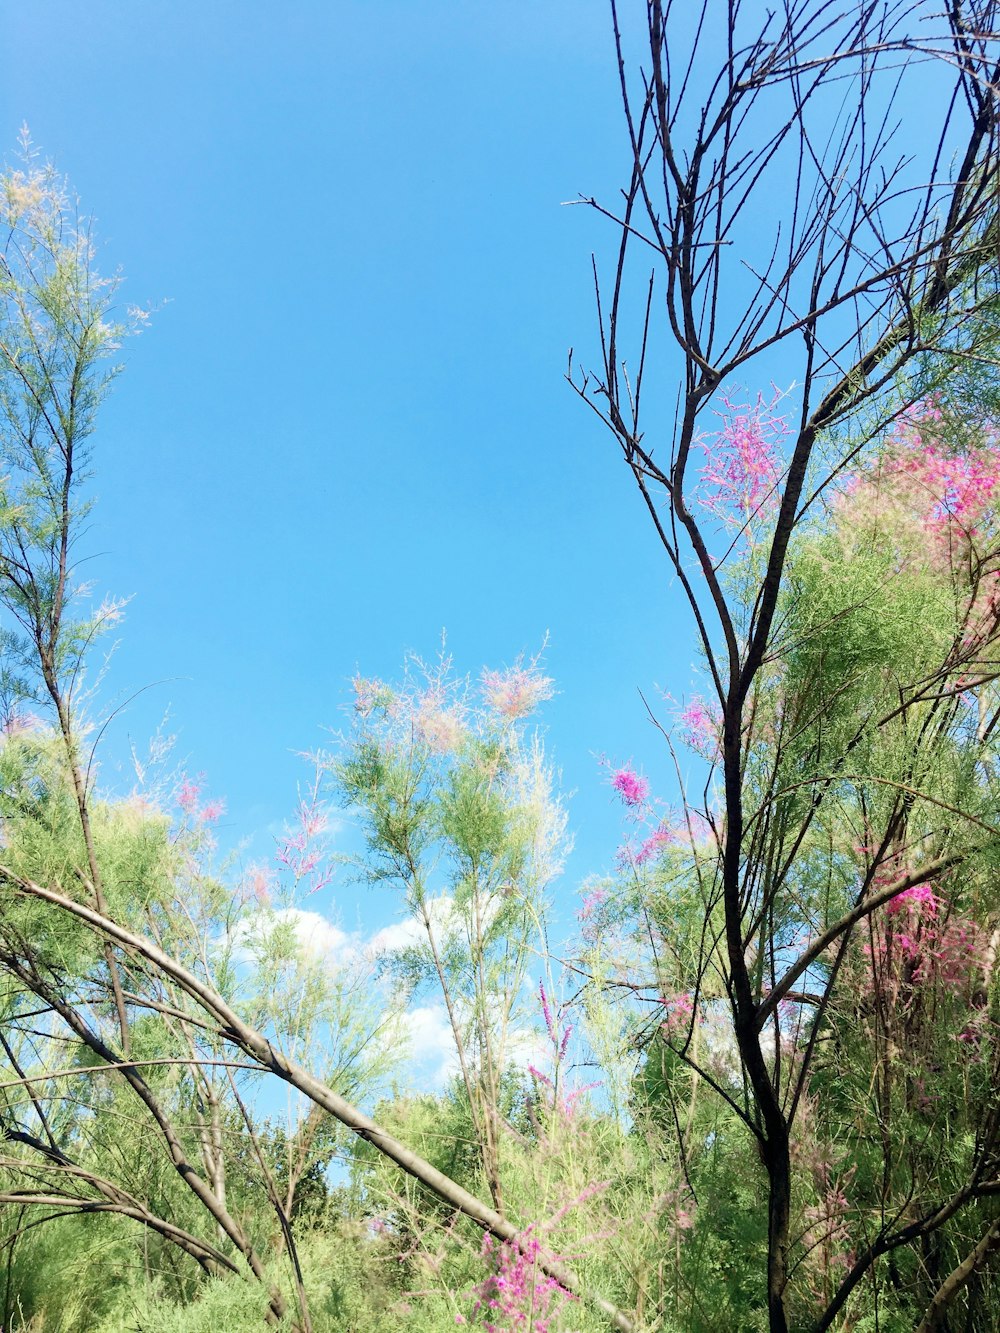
[121, 950]
[789, 215]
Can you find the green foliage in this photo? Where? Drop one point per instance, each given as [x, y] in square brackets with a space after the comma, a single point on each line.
[867, 753]
[57, 334]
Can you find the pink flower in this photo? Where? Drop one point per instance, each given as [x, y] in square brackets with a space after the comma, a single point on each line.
[742, 469]
[302, 850]
[922, 486]
[927, 945]
[438, 726]
[591, 902]
[632, 788]
[17, 724]
[187, 796]
[518, 1292]
[700, 728]
[920, 899]
[260, 883]
[679, 1012]
[312, 819]
[653, 845]
[546, 1010]
[516, 692]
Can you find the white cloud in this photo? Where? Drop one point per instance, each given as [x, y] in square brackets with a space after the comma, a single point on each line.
[445, 920]
[427, 1029]
[429, 1033]
[411, 931]
[528, 1047]
[424, 1027]
[318, 938]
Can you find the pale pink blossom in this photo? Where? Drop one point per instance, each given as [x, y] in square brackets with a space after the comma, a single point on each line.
[312, 819]
[439, 727]
[260, 881]
[188, 795]
[700, 725]
[370, 693]
[516, 692]
[17, 723]
[679, 1011]
[302, 850]
[591, 902]
[652, 846]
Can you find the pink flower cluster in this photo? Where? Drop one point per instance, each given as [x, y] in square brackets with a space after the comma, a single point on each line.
[948, 956]
[591, 903]
[924, 944]
[439, 726]
[518, 1295]
[651, 847]
[921, 898]
[302, 849]
[633, 789]
[740, 477]
[828, 1239]
[924, 482]
[516, 692]
[188, 797]
[679, 1011]
[700, 725]
[17, 724]
[370, 693]
[546, 1009]
[259, 882]
[560, 1104]
[947, 490]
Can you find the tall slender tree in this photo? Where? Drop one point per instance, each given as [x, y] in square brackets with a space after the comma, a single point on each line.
[794, 222]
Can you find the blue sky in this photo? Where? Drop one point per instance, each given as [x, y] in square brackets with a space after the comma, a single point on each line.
[347, 428]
